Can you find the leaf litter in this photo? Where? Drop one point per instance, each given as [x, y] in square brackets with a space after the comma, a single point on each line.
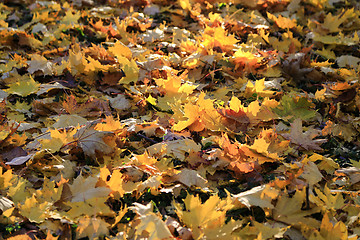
[187, 119]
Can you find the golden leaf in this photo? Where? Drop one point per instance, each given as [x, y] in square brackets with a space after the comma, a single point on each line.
[32, 210]
[24, 86]
[91, 227]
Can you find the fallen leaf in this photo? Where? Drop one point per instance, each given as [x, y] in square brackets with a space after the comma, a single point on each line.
[91, 140]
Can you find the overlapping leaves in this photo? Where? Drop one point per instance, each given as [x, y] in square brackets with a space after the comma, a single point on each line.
[188, 120]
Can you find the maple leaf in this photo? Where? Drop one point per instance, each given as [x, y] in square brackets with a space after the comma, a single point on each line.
[261, 196]
[339, 39]
[72, 120]
[258, 88]
[200, 115]
[311, 172]
[233, 156]
[260, 151]
[246, 61]
[327, 199]
[303, 139]
[217, 38]
[332, 22]
[177, 148]
[25, 86]
[120, 50]
[91, 140]
[91, 227]
[289, 210]
[292, 107]
[151, 223]
[89, 207]
[348, 61]
[17, 191]
[330, 231]
[55, 140]
[266, 230]
[32, 210]
[190, 177]
[85, 188]
[200, 216]
[325, 163]
[174, 87]
[115, 183]
[48, 193]
[235, 121]
[130, 69]
[5, 178]
[40, 63]
[282, 22]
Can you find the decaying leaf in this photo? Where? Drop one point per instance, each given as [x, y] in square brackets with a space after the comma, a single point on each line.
[91, 140]
[304, 140]
[138, 119]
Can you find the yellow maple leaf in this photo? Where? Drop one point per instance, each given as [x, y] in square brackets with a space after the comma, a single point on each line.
[71, 18]
[217, 38]
[327, 53]
[91, 227]
[257, 88]
[191, 112]
[282, 22]
[24, 86]
[92, 66]
[267, 230]
[144, 159]
[325, 163]
[200, 216]
[339, 39]
[287, 40]
[196, 116]
[130, 69]
[330, 231]
[185, 4]
[17, 190]
[245, 60]
[260, 196]
[91, 207]
[48, 193]
[5, 178]
[319, 94]
[175, 88]
[33, 210]
[329, 200]
[288, 210]
[77, 61]
[177, 148]
[109, 124]
[150, 222]
[85, 188]
[115, 183]
[120, 50]
[56, 140]
[260, 151]
[4, 134]
[332, 22]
